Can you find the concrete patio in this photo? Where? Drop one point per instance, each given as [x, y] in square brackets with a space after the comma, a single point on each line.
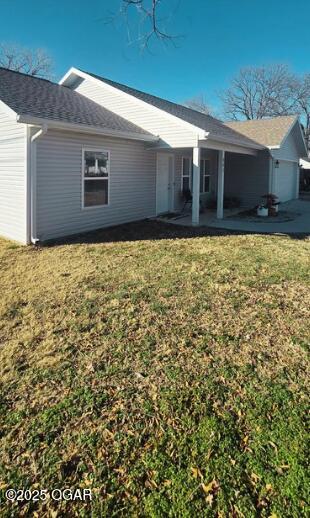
[293, 218]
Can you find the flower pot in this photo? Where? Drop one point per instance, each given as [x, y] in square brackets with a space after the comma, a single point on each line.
[272, 211]
[262, 212]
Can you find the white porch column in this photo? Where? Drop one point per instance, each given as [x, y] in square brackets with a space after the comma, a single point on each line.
[220, 185]
[196, 186]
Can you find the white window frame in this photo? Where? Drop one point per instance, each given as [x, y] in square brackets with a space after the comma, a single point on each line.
[105, 179]
[190, 174]
[203, 161]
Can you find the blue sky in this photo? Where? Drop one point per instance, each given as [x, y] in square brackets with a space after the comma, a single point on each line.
[219, 37]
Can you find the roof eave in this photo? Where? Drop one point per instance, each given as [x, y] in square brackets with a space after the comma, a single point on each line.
[235, 141]
[82, 128]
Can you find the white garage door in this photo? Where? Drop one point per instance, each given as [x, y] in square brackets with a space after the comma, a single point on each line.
[285, 181]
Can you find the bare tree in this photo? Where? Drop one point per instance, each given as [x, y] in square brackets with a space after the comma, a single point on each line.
[302, 95]
[258, 92]
[33, 62]
[150, 21]
[199, 104]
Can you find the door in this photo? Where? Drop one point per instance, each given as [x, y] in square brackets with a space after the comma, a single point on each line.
[164, 183]
[286, 181]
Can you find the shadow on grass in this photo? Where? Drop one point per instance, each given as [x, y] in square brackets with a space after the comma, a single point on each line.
[149, 230]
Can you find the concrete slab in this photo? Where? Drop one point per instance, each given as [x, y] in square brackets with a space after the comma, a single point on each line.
[294, 218]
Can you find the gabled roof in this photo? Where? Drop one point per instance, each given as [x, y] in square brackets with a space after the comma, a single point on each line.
[39, 98]
[269, 132]
[205, 122]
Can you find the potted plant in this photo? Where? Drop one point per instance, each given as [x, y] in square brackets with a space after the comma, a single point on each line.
[272, 204]
[262, 211]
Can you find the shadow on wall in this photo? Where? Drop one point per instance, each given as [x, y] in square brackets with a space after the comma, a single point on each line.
[149, 230]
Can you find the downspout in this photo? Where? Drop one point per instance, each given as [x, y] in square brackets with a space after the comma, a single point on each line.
[33, 183]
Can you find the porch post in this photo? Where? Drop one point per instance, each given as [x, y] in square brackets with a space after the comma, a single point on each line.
[196, 186]
[220, 185]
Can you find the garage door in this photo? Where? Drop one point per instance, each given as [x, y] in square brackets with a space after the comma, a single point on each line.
[285, 181]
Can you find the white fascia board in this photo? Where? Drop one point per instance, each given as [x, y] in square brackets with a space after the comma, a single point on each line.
[226, 146]
[296, 121]
[101, 83]
[64, 78]
[302, 136]
[234, 142]
[81, 128]
[288, 131]
[6, 109]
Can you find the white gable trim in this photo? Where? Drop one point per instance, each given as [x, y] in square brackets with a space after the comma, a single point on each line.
[6, 109]
[295, 121]
[200, 133]
[82, 128]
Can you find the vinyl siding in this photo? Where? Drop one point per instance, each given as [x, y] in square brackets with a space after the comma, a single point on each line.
[286, 176]
[204, 197]
[59, 184]
[289, 149]
[247, 177]
[172, 133]
[12, 178]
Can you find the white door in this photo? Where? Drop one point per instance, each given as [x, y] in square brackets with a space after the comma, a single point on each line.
[286, 181]
[164, 183]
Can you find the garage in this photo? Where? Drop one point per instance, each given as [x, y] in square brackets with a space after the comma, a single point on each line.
[286, 180]
[284, 138]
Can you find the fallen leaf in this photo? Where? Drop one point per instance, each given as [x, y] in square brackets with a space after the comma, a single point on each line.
[196, 473]
[209, 499]
[212, 486]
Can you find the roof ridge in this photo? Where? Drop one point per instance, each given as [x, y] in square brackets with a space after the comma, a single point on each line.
[27, 75]
[293, 116]
[189, 110]
[152, 95]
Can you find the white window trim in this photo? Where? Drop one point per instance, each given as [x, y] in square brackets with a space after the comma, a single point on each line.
[108, 179]
[205, 175]
[189, 176]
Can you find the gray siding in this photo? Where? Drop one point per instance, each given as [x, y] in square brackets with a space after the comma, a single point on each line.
[247, 177]
[205, 153]
[59, 187]
[173, 132]
[12, 178]
[289, 149]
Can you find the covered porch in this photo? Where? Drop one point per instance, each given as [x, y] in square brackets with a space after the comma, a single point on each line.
[211, 172]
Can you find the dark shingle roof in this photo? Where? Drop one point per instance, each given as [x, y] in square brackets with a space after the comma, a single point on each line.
[215, 127]
[35, 97]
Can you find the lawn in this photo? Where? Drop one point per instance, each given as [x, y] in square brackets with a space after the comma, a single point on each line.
[168, 375]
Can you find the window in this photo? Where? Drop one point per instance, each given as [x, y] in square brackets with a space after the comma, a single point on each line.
[186, 174]
[205, 179]
[96, 165]
[205, 174]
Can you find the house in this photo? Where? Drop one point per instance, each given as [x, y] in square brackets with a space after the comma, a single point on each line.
[89, 152]
[283, 136]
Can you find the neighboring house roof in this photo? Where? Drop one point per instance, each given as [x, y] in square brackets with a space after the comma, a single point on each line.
[39, 98]
[268, 132]
[205, 122]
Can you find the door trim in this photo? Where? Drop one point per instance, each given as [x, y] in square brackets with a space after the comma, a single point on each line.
[172, 182]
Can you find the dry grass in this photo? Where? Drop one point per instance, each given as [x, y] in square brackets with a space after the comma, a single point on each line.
[168, 375]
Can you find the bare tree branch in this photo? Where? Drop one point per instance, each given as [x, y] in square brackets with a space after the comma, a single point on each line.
[151, 25]
[260, 92]
[33, 62]
[302, 95]
[199, 104]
